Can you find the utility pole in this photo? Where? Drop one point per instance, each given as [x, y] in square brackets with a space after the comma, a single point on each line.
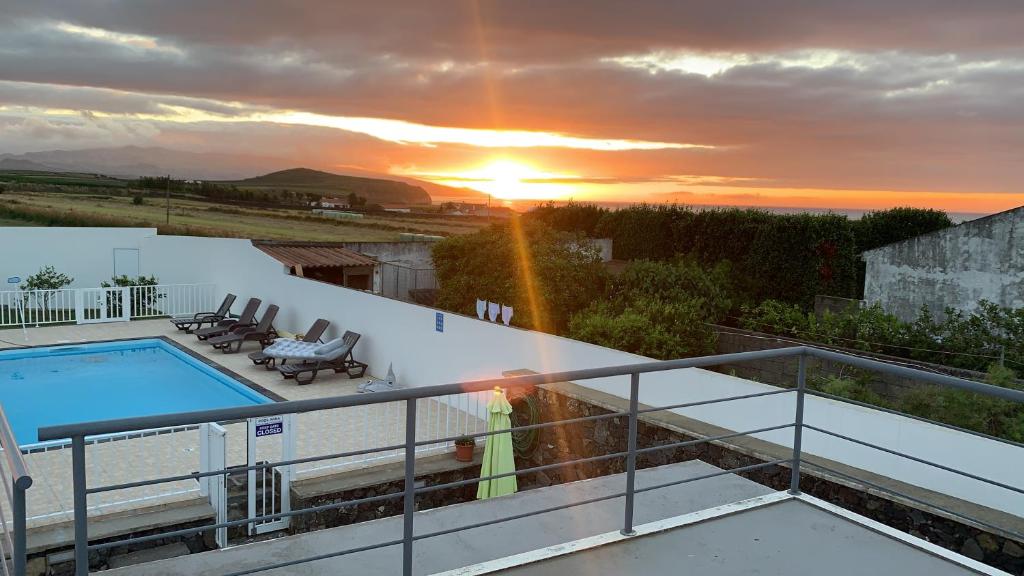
[168, 197]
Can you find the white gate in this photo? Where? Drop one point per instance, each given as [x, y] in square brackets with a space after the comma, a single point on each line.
[212, 457]
[270, 439]
[93, 305]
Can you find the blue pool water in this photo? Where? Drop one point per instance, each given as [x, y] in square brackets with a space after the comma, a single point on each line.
[78, 383]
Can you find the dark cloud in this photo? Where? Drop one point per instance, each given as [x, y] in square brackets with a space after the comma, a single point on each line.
[907, 95]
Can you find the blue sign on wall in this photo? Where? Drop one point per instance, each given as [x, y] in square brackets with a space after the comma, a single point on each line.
[439, 322]
[269, 429]
[13, 279]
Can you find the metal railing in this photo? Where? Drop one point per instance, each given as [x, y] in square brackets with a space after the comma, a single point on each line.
[796, 462]
[68, 305]
[16, 480]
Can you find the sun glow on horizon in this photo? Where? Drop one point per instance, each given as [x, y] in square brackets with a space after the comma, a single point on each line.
[509, 179]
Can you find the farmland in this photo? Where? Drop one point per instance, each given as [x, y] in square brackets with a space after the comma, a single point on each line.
[84, 200]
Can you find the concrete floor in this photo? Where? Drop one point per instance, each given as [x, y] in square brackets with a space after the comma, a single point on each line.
[785, 539]
[477, 545]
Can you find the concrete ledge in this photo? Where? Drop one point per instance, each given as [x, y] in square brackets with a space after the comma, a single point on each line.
[55, 536]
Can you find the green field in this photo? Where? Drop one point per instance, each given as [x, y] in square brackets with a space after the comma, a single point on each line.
[202, 218]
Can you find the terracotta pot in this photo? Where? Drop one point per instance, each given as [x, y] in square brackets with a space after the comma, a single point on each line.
[464, 453]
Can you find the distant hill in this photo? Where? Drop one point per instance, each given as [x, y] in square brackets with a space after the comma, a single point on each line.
[375, 190]
[18, 164]
[134, 161]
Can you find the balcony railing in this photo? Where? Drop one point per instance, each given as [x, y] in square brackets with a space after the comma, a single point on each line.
[16, 480]
[411, 397]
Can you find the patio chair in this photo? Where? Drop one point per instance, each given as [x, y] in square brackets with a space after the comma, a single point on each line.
[225, 325]
[263, 332]
[312, 336]
[334, 355]
[190, 322]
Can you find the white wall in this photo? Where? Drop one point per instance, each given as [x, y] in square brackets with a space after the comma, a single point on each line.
[86, 254]
[404, 334]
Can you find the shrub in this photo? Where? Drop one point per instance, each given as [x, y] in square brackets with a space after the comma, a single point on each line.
[545, 275]
[963, 340]
[143, 302]
[647, 326]
[46, 280]
[138, 200]
[658, 309]
[876, 229]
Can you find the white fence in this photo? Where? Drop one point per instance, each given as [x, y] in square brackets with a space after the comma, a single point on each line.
[67, 305]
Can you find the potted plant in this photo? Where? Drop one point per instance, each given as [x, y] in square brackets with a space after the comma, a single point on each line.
[464, 449]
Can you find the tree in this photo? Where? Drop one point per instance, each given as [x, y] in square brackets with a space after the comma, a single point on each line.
[42, 284]
[545, 275]
[355, 200]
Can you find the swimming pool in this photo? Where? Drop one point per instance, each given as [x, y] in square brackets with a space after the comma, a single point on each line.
[77, 383]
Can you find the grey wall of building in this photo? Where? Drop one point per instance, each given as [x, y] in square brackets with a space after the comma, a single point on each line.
[978, 260]
[417, 254]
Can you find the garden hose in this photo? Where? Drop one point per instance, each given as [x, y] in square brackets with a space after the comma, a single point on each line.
[525, 412]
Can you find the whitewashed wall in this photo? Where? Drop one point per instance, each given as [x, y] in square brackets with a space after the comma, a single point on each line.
[404, 334]
[86, 254]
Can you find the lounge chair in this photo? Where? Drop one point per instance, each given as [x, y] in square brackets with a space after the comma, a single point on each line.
[189, 322]
[312, 336]
[225, 325]
[263, 332]
[334, 355]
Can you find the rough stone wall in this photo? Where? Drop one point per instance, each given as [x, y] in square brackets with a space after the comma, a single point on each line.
[955, 267]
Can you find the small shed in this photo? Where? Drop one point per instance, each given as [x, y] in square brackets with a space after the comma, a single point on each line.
[325, 261]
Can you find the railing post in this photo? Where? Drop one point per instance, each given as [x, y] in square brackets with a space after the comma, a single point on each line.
[634, 394]
[410, 485]
[20, 537]
[81, 510]
[798, 428]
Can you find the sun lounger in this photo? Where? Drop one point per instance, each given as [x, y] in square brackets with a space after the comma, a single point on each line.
[190, 322]
[334, 355]
[312, 337]
[225, 325]
[262, 332]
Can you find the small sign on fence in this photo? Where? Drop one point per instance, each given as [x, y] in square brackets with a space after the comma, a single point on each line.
[13, 279]
[269, 426]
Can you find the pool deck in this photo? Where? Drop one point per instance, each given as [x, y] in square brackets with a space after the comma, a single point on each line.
[138, 458]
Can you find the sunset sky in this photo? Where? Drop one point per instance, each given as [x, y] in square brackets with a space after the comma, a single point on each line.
[833, 104]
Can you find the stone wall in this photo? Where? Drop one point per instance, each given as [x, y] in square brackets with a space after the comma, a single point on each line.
[783, 371]
[956, 267]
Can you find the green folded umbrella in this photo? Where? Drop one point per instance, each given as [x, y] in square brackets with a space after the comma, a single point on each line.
[498, 457]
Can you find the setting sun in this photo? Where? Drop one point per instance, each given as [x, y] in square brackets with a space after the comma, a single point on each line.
[511, 180]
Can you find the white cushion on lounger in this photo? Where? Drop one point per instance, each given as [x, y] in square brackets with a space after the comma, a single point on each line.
[288, 348]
